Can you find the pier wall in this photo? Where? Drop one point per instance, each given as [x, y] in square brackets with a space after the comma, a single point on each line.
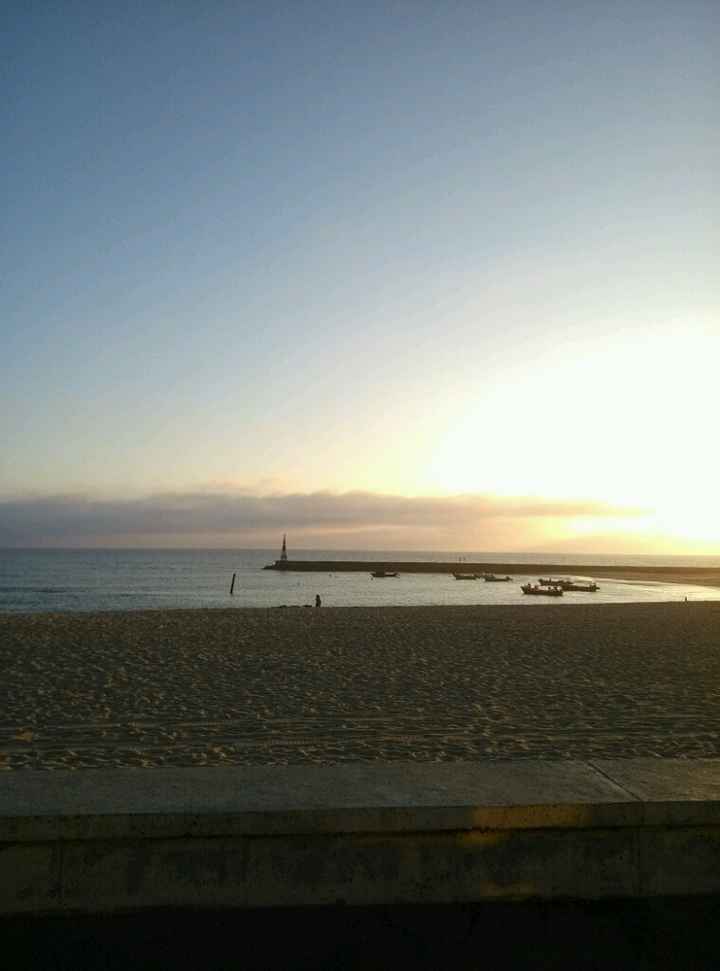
[703, 575]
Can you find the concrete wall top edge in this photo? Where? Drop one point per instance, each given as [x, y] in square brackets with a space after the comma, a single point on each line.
[264, 800]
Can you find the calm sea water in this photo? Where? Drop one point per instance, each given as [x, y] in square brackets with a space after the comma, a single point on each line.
[65, 580]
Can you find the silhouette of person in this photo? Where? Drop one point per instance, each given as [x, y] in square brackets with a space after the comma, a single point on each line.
[318, 601]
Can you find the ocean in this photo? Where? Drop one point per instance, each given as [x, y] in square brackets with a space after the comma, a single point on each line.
[91, 580]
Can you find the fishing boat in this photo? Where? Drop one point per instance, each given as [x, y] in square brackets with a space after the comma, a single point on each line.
[536, 590]
[549, 582]
[383, 574]
[591, 587]
[465, 576]
[491, 578]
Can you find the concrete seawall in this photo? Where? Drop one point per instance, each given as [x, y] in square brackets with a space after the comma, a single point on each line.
[129, 840]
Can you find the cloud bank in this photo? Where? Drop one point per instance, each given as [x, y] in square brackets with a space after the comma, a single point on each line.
[230, 518]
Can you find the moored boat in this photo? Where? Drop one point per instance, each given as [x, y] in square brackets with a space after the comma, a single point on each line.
[491, 578]
[383, 574]
[590, 587]
[541, 591]
[465, 576]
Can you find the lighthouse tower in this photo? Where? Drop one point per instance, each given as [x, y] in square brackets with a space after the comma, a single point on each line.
[283, 554]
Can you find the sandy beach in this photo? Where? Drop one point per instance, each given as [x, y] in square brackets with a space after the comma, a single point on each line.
[289, 686]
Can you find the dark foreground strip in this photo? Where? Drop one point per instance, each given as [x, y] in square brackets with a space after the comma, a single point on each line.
[638, 934]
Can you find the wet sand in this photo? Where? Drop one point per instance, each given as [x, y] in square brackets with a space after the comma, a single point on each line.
[292, 685]
[702, 578]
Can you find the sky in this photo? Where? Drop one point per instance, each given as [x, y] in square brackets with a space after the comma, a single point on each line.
[422, 275]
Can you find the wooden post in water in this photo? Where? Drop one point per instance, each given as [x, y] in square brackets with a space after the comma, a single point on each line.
[232, 585]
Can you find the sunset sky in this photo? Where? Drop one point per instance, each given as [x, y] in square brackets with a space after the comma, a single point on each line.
[422, 275]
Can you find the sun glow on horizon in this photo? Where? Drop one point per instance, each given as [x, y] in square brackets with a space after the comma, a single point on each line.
[621, 425]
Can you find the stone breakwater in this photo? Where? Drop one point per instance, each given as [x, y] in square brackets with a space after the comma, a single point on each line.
[291, 686]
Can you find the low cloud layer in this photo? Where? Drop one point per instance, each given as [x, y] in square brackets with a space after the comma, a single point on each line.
[206, 518]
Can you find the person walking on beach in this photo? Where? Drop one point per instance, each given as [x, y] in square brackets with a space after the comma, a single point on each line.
[318, 601]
